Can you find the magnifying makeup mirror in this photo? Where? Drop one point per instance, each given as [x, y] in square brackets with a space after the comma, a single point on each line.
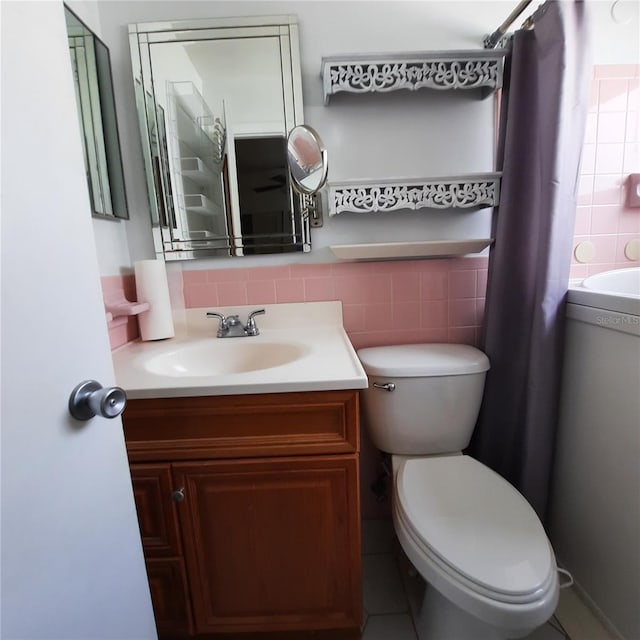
[308, 162]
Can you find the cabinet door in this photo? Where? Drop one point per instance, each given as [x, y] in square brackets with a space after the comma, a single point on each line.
[156, 511]
[272, 544]
[158, 521]
[168, 586]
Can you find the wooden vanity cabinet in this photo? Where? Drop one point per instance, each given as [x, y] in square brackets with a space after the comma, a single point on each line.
[249, 511]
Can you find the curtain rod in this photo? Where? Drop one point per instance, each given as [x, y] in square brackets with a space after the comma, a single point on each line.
[491, 41]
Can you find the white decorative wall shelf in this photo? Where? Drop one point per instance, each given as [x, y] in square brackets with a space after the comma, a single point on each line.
[395, 250]
[458, 192]
[380, 72]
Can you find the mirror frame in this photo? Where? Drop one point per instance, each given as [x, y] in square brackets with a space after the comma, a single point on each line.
[141, 36]
[98, 122]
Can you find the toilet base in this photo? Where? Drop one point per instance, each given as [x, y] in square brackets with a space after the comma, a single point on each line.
[440, 619]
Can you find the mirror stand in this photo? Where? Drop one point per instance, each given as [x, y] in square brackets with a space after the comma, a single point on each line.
[311, 208]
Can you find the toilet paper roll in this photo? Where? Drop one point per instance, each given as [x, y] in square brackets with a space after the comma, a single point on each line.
[152, 287]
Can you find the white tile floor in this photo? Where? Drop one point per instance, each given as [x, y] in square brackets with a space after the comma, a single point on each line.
[392, 592]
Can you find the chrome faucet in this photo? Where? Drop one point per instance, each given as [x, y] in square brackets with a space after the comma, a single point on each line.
[231, 327]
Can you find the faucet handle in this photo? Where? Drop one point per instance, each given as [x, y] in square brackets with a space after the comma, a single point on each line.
[252, 328]
[223, 327]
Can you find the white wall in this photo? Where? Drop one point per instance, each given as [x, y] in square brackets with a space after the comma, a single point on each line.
[111, 235]
[395, 135]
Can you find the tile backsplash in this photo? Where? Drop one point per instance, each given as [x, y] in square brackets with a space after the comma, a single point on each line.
[383, 302]
[115, 289]
[611, 152]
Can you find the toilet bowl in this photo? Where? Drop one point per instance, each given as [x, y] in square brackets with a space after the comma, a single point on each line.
[489, 567]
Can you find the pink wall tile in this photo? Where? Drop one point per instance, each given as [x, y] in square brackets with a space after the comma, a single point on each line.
[226, 275]
[481, 284]
[631, 161]
[588, 159]
[585, 190]
[607, 189]
[352, 268]
[200, 295]
[604, 220]
[115, 289]
[434, 314]
[582, 221]
[600, 268]
[261, 292]
[633, 127]
[611, 127]
[462, 284]
[629, 221]
[383, 302]
[232, 293]
[353, 317]
[269, 273]
[405, 287]
[609, 158]
[434, 286]
[290, 290]
[591, 130]
[616, 70]
[378, 317]
[463, 335]
[633, 103]
[580, 271]
[194, 277]
[318, 289]
[406, 315]
[462, 313]
[605, 249]
[613, 94]
[614, 122]
[311, 270]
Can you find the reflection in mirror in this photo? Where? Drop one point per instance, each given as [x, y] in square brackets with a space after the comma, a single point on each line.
[307, 159]
[216, 100]
[97, 116]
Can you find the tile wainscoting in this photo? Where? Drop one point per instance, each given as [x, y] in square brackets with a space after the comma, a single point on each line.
[611, 151]
[383, 302]
[115, 289]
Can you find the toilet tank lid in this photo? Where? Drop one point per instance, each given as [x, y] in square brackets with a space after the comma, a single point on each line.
[417, 360]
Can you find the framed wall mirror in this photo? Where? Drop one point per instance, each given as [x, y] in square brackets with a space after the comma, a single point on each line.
[97, 117]
[216, 100]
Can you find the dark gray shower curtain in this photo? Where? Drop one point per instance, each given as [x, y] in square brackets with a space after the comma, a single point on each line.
[543, 114]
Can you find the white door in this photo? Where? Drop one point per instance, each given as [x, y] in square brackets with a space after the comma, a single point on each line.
[72, 564]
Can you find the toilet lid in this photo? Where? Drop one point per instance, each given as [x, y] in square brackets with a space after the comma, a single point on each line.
[476, 523]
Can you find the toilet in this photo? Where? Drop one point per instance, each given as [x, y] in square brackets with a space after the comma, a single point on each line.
[489, 567]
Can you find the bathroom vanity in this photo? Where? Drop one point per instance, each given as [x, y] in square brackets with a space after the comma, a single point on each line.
[246, 483]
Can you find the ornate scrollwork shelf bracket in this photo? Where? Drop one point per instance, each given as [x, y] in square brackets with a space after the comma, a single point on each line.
[459, 192]
[371, 73]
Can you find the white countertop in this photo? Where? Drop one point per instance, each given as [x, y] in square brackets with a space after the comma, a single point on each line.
[327, 361]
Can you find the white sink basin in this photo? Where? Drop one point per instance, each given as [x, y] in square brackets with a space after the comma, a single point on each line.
[219, 357]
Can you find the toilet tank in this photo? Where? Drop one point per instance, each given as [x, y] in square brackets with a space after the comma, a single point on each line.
[436, 396]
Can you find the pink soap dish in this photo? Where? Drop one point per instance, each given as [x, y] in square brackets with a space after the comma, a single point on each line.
[125, 308]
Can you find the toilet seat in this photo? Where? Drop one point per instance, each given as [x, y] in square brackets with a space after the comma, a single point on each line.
[475, 527]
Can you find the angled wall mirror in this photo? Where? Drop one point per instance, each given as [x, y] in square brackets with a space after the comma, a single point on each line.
[97, 118]
[216, 100]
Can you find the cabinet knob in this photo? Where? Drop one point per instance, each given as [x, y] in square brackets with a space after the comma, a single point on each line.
[178, 495]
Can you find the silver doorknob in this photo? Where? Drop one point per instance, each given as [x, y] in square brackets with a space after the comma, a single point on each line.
[91, 399]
